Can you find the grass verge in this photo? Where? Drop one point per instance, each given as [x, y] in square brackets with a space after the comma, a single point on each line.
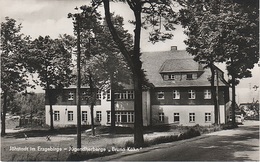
[112, 147]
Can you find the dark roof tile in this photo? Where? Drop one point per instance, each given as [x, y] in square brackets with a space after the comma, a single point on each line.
[155, 63]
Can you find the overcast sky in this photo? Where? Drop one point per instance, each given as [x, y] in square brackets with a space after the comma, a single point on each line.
[49, 17]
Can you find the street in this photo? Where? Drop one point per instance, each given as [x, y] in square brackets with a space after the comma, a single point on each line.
[240, 144]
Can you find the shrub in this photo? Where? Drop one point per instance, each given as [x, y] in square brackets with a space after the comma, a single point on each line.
[192, 133]
[80, 156]
[158, 128]
[162, 139]
[229, 125]
[129, 144]
[132, 145]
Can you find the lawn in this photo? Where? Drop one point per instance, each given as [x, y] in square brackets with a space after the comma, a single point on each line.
[62, 146]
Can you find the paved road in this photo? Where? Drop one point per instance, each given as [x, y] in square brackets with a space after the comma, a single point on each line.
[229, 145]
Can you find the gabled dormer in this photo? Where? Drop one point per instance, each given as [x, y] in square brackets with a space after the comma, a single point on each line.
[180, 69]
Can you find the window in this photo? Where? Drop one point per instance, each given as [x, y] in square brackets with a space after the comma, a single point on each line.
[207, 94]
[121, 117]
[108, 117]
[84, 116]
[124, 117]
[98, 116]
[192, 94]
[70, 115]
[98, 95]
[118, 117]
[160, 95]
[124, 95]
[108, 95]
[56, 115]
[189, 76]
[84, 95]
[176, 94]
[171, 77]
[71, 96]
[117, 96]
[161, 117]
[130, 117]
[207, 117]
[192, 117]
[176, 117]
[130, 94]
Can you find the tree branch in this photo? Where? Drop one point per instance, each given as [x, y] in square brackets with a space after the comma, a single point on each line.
[115, 36]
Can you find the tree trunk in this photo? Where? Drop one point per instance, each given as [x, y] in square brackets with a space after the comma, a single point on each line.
[214, 95]
[113, 114]
[217, 97]
[233, 105]
[134, 63]
[50, 102]
[92, 119]
[3, 114]
[78, 86]
[92, 103]
[138, 125]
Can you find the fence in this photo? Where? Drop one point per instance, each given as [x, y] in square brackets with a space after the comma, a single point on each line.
[31, 122]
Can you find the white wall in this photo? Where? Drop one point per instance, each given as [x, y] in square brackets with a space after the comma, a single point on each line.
[104, 107]
[146, 108]
[184, 111]
[168, 110]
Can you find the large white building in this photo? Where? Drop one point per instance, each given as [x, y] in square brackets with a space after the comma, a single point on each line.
[181, 94]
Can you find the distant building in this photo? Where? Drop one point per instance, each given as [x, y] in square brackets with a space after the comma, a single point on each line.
[181, 95]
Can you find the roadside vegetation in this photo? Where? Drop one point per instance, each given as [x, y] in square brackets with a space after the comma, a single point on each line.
[103, 144]
[209, 34]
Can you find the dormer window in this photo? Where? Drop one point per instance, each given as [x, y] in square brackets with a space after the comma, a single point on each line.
[189, 76]
[171, 77]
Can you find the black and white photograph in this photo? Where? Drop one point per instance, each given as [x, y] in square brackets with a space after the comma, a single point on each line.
[130, 80]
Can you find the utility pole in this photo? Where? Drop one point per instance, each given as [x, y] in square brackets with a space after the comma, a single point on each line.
[78, 83]
[233, 82]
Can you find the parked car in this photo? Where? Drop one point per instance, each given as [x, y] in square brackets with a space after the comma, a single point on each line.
[239, 119]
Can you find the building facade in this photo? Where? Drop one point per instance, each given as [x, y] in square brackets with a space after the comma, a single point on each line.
[181, 95]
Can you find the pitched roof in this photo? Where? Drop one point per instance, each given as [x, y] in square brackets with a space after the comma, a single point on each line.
[155, 63]
[180, 65]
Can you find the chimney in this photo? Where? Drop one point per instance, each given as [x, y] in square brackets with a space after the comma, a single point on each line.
[173, 48]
